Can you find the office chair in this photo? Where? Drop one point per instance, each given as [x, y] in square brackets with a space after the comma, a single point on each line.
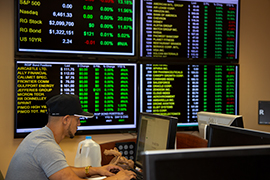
[185, 140]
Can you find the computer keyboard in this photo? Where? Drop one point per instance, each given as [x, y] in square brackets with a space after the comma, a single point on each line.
[138, 174]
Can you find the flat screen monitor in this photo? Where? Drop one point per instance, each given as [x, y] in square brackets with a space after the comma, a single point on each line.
[220, 135]
[155, 132]
[109, 90]
[201, 30]
[206, 118]
[246, 162]
[182, 90]
[83, 29]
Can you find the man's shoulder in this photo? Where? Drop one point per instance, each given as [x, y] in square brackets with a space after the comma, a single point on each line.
[43, 133]
[39, 137]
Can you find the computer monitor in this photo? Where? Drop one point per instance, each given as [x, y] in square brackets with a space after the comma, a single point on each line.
[155, 132]
[182, 30]
[245, 162]
[109, 90]
[220, 135]
[182, 90]
[79, 29]
[205, 118]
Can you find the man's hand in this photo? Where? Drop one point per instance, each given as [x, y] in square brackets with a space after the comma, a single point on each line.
[123, 175]
[108, 170]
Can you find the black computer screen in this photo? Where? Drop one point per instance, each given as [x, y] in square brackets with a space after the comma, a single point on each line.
[220, 135]
[200, 29]
[182, 90]
[249, 162]
[109, 90]
[88, 27]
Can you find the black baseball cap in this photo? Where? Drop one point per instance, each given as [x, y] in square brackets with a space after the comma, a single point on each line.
[66, 104]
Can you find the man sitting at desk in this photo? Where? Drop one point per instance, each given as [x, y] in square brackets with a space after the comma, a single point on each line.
[40, 157]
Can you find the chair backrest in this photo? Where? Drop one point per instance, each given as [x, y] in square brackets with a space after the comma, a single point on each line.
[185, 140]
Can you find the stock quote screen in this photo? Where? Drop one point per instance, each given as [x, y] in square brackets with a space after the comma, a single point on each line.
[101, 27]
[200, 29]
[183, 90]
[106, 89]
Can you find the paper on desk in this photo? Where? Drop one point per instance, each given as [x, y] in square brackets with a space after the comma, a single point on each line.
[97, 178]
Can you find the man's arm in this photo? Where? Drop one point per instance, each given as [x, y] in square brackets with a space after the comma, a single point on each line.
[81, 172]
[72, 173]
[75, 173]
[65, 174]
[103, 170]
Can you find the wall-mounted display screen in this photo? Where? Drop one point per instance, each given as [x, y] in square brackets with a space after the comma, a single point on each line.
[87, 27]
[199, 30]
[109, 90]
[183, 90]
[264, 112]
